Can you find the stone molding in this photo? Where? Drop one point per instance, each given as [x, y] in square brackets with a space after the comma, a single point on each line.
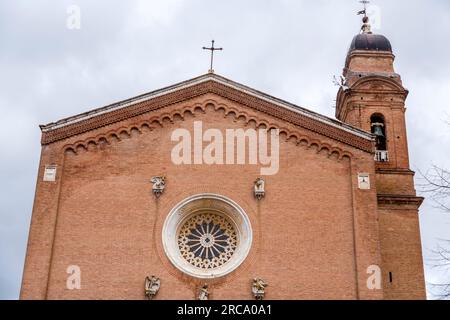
[158, 121]
[295, 115]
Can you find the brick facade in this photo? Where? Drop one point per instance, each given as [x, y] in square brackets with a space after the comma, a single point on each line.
[314, 234]
[375, 89]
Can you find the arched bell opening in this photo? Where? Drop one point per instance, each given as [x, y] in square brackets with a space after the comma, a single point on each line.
[378, 128]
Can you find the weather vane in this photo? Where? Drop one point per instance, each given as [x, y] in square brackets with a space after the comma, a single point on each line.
[212, 49]
[366, 28]
[364, 12]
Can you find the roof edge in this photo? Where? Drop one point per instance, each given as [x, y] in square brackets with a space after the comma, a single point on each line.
[197, 80]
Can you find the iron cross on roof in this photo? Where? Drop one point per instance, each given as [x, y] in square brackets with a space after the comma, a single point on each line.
[212, 49]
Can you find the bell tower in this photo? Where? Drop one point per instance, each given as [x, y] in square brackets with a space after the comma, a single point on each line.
[372, 97]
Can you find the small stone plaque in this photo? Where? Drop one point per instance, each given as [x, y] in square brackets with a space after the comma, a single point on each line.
[50, 173]
[364, 181]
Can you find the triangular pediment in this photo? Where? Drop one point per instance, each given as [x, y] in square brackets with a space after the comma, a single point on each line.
[209, 83]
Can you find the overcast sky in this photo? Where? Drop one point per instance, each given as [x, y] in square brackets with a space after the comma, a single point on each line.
[287, 48]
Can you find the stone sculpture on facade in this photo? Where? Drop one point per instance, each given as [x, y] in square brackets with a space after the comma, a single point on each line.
[152, 285]
[258, 288]
[259, 188]
[204, 293]
[159, 183]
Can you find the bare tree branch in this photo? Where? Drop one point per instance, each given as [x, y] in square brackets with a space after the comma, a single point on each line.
[440, 261]
[436, 183]
[440, 291]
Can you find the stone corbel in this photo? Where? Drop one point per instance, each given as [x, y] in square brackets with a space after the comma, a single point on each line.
[259, 288]
[159, 184]
[259, 188]
[152, 285]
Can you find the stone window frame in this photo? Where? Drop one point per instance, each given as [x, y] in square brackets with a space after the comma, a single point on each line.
[193, 205]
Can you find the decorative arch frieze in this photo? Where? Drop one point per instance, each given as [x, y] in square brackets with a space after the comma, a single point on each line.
[158, 121]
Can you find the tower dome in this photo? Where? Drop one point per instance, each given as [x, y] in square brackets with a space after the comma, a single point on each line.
[366, 40]
[370, 41]
[369, 55]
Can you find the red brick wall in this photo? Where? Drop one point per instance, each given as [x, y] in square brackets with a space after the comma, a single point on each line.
[401, 253]
[382, 92]
[314, 235]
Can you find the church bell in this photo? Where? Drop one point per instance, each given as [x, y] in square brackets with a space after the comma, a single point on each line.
[377, 129]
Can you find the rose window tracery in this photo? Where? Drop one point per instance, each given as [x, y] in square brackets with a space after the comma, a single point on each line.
[207, 240]
[207, 236]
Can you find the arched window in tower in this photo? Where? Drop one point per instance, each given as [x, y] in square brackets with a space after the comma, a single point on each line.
[378, 128]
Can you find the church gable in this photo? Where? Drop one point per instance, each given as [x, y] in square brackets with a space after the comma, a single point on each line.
[159, 100]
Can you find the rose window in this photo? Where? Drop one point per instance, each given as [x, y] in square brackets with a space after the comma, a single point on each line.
[207, 236]
[207, 240]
